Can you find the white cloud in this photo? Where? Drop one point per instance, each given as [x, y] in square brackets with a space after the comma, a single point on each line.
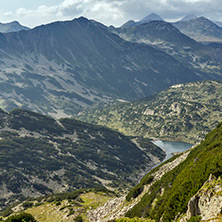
[114, 12]
[101, 10]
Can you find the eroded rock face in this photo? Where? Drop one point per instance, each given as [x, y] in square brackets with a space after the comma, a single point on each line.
[207, 203]
[193, 208]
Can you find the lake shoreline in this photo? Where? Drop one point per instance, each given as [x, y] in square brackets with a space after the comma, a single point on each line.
[172, 148]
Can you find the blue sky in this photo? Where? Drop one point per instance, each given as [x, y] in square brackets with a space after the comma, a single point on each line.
[29, 4]
[109, 12]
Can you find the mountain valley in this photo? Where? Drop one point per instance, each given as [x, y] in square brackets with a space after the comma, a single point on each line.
[127, 88]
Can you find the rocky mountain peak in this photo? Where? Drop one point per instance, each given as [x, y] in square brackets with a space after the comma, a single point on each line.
[13, 26]
[189, 17]
[151, 17]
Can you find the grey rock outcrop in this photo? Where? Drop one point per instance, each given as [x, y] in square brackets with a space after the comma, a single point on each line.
[207, 203]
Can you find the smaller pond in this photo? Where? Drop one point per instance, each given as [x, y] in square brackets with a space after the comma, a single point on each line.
[172, 147]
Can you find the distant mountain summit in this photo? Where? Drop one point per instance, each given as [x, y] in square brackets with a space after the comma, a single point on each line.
[129, 24]
[201, 29]
[157, 31]
[151, 17]
[218, 23]
[188, 17]
[12, 27]
[148, 18]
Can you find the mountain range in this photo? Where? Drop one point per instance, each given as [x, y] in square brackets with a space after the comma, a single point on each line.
[148, 18]
[201, 29]
[60, 169]
[60, 68]
[165, 37]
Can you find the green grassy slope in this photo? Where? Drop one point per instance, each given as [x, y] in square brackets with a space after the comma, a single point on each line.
[59, 207]
[168, 197]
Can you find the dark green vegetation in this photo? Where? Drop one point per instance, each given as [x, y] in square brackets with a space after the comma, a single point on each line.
[200, 29]
[21, 217]
[72, 206]
[169, 196]
[147, 179]
[40, 156]
[194, 219]
[60, 68]
[132, 220]
[184, 112]
[78, 219]
[72, 199]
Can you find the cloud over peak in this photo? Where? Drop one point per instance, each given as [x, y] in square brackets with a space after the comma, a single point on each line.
[114, 12]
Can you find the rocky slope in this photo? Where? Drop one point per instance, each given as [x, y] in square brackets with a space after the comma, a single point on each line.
[93, 205]
[185, 188]
[60, 68]
[166, 37]
[64, 207]
[185, 112]
[39, 156]
[207, 202]
[201, 29]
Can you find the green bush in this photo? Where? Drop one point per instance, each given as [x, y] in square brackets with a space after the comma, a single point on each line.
[6, 212]
[27, 204]
[78, 219]
[135, 192]
[22, 217]
[194, 219]
[136, 219]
